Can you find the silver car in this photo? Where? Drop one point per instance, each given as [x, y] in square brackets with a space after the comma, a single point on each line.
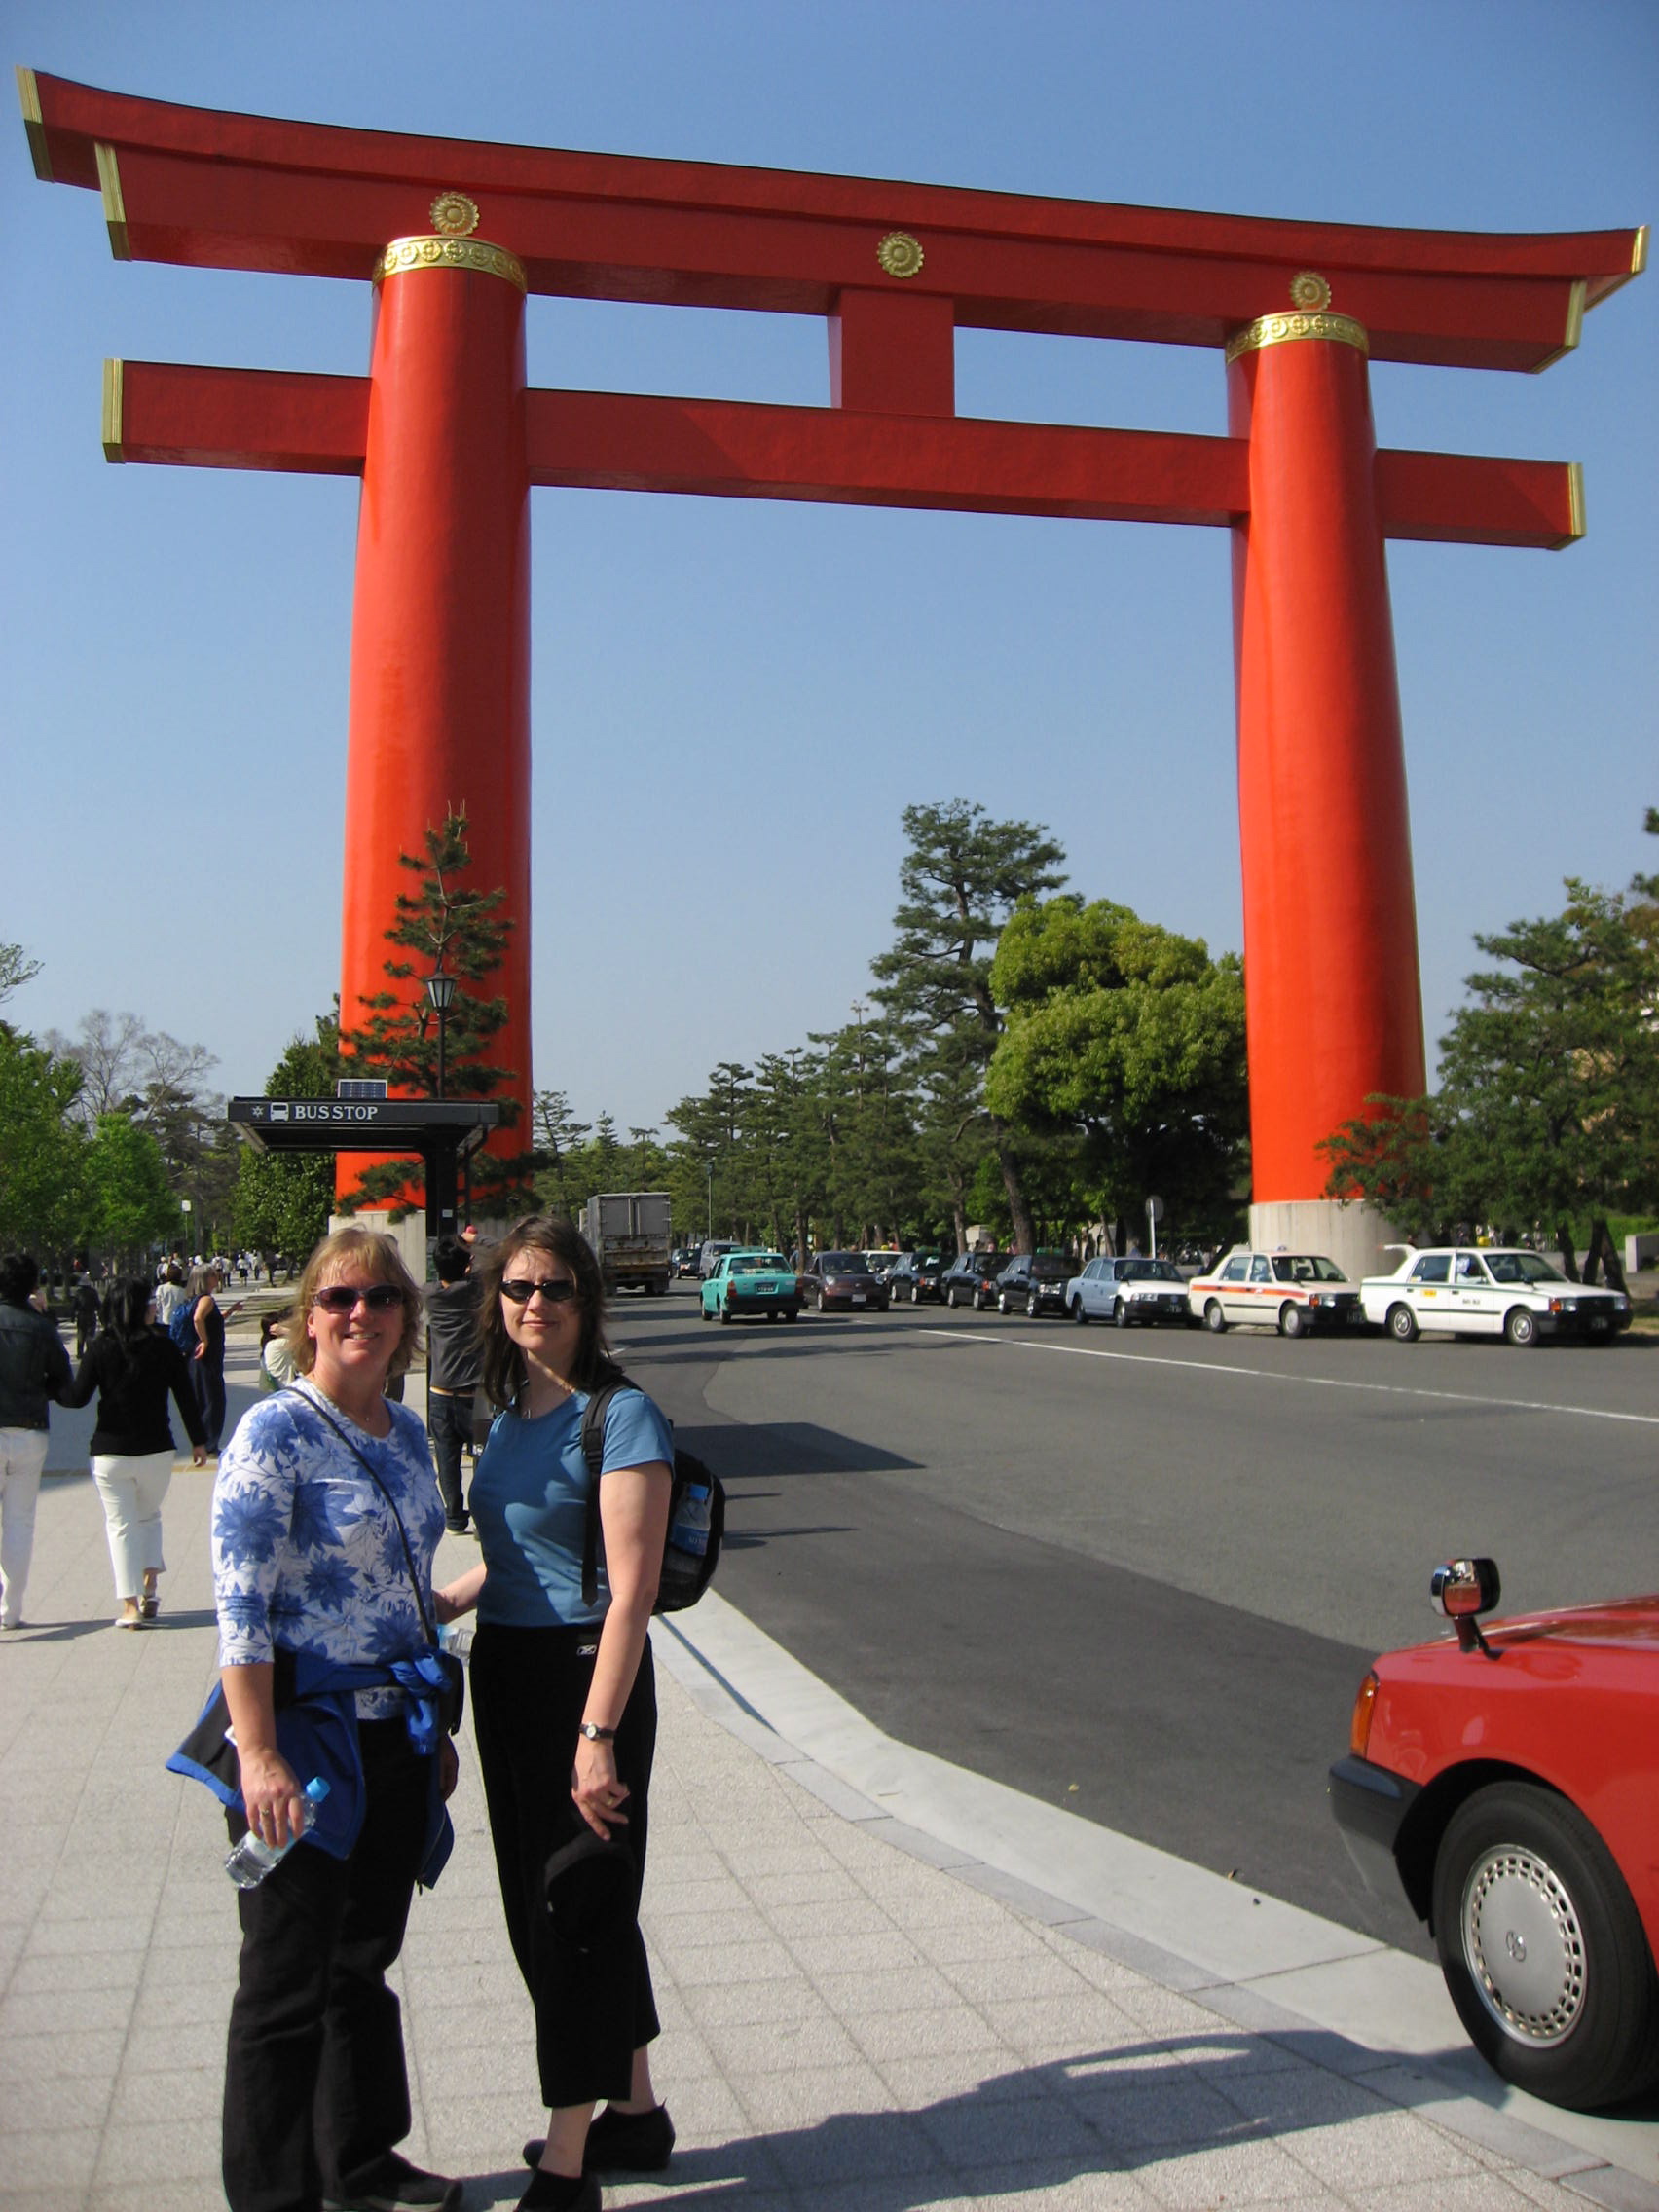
[1126, 1291]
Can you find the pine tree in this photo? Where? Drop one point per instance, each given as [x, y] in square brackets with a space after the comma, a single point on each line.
[458, 931]
[962, 877]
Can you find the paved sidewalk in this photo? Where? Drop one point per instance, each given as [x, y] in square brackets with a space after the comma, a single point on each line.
[856, 2014]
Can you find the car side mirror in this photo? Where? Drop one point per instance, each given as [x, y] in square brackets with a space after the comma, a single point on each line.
[1462, 1590]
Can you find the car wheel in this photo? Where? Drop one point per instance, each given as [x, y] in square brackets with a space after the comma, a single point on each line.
[1031, 1307]
[915, 1294]
[1120, 1314]
[1402, 1325]
[726, 1316]
[792, 1313]
[1542, 1949]
[1079, 1312]
[1293, 1322]
[1215, 1320]
[1521, 1326]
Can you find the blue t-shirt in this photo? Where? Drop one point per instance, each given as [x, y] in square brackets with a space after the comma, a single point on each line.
[529, 1503]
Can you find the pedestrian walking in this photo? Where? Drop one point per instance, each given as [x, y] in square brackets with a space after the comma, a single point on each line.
[135, 1367]
[34, 1368]
[207, 1365]
[171, 1292]
[565, 1701]
[453, 1371]
[84, 1304]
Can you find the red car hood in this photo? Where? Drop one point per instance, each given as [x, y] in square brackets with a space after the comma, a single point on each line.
[1628, 1622]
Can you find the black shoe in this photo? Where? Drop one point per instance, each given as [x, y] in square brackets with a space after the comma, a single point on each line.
[549, 2191]
[461, 1528]
[620, 2141]
[393, 2185]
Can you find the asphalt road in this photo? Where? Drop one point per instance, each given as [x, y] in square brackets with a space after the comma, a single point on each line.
[1141, 1574]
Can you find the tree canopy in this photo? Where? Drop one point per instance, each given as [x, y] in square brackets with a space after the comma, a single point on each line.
[1547, 1114]
[962, 876]
[1134, 1038]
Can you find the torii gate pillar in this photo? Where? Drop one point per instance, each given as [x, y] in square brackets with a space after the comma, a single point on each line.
[1333, 996]
[440, 625]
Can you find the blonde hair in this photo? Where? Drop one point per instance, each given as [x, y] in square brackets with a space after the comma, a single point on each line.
[379, 1257]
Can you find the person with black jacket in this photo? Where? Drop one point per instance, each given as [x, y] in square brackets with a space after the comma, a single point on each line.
[454, 1369]
[34, 1368]
[135, 1367]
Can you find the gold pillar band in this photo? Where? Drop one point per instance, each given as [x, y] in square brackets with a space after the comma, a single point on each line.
[404, 254]
[112, 404]
[1281, 329]
[114, 207]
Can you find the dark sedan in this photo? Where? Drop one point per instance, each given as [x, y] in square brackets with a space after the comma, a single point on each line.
[970, 1280]
[917, 1277]
[842, 1279]
[1033, 1284]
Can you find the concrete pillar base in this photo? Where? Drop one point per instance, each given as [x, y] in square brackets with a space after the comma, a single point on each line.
[1354, 1235]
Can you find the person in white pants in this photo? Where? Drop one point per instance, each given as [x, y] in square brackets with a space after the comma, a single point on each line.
[134, 1366]
[34, 1368]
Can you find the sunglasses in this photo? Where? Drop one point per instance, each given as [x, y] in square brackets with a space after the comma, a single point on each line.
[343, 1297]
[553, 1292]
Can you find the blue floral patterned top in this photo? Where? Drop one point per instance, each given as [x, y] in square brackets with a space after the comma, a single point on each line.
[306, 1553]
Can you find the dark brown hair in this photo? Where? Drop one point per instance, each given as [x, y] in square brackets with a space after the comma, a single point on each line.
[505, 1375]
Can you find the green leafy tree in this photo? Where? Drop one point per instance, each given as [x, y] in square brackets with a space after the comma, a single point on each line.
[283, 1200]
[43, 1145]
[128, 1200]
[1548, 1110]
[1132, 1038]
[961, 877]
[443, 924]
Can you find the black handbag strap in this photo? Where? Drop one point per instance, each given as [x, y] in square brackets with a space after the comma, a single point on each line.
[311, 1398]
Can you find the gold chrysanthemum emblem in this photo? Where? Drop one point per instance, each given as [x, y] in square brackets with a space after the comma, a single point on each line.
[1310, 290]
[900, 254]
[455, 215]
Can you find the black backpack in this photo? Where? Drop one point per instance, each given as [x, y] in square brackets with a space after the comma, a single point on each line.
[696, 1517]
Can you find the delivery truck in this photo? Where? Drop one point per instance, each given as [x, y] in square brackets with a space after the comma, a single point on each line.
[631, 1232]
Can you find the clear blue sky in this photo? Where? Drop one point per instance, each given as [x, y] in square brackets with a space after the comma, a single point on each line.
[749, 687]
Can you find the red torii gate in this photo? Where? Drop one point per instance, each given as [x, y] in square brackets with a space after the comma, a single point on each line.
[448, 441]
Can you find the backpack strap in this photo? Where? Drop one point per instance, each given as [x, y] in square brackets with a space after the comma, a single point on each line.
[593, 1451]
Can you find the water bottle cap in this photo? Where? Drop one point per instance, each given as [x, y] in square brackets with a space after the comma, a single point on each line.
[316, 1788]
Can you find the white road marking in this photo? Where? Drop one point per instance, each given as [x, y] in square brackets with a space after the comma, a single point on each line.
[1304, 1382]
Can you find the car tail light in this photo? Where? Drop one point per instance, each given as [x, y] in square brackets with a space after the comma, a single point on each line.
[1359, 1728]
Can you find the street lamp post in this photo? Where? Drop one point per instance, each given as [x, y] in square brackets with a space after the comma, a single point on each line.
[440, 990]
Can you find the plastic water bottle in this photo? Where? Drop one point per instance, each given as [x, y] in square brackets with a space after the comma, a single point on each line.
[252, 1860]
[690, 1529]
[456, 1637]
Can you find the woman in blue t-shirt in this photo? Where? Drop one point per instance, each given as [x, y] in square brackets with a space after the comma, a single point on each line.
[565, 1700]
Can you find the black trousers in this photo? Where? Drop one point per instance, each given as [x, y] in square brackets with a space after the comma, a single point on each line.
[207, 1378]
[315, 2085]
[587, 1977]
[449, 1424]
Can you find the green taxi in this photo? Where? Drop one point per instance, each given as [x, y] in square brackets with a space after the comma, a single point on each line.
[746, 1284]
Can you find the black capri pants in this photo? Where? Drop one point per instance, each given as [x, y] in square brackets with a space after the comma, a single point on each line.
[588, 1980]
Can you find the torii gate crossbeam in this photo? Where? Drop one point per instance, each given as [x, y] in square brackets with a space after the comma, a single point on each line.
[449, 441]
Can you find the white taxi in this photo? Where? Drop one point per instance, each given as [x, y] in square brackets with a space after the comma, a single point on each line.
[1480, 1293]
[1292, 1292]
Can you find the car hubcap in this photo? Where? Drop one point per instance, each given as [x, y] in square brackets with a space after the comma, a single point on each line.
[1523, 1946]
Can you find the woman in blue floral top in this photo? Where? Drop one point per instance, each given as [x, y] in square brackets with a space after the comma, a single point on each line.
[309, 1567]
